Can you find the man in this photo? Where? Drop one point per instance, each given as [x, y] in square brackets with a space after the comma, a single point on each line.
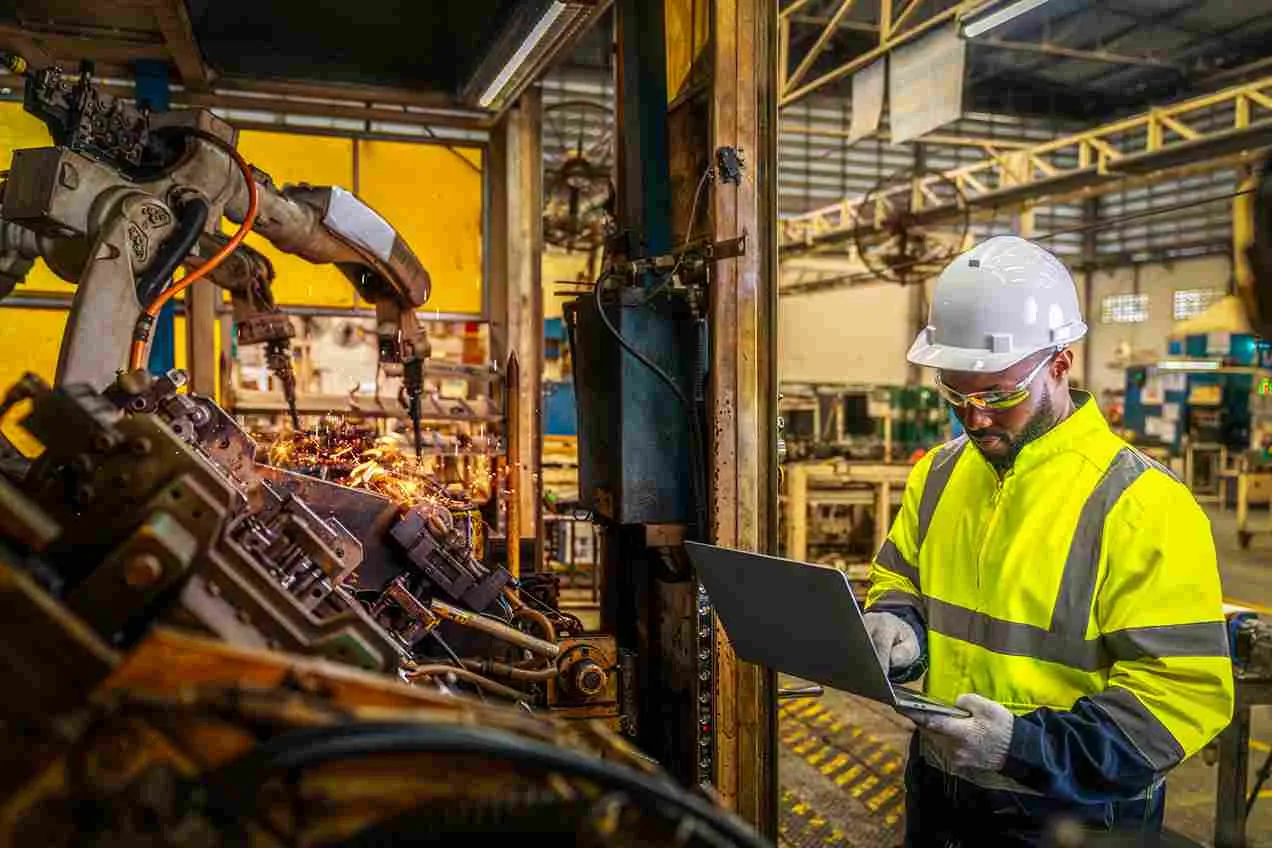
[1046, 577]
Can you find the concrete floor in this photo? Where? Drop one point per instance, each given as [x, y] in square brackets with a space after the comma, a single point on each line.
[842, 757]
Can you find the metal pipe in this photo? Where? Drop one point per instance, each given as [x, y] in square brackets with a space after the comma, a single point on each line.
[505, 670]
[497, 629]
[471, 676]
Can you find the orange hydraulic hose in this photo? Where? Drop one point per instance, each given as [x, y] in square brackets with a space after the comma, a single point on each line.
[152, 309]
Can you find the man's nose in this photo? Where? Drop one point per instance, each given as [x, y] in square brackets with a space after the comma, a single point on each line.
[976, 419]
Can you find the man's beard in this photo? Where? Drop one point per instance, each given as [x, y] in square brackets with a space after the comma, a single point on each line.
[1043, 419]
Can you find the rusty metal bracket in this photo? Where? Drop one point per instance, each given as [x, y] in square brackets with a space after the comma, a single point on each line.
[727, 249]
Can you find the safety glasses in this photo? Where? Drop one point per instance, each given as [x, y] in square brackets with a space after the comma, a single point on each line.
[997, 400]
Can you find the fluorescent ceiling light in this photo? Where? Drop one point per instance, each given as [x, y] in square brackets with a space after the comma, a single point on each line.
[997, 18]
[1189, 365]
[519, 59]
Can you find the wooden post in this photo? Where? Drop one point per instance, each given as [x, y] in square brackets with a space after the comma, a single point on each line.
[742, 391]
[200, 302]
[516, 323]
[512, 391]
[797, 511]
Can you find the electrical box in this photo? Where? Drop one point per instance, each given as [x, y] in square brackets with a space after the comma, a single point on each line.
[634, 435]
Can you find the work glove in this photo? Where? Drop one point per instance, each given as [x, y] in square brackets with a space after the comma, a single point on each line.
[894, 640]
[979, 742]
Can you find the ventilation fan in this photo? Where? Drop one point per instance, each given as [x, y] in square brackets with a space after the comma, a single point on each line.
[892, 238]
[578, 193]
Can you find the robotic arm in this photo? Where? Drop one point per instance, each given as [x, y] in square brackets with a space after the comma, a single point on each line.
[126, 196]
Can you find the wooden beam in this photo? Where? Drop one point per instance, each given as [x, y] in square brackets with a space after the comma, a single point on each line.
[819, 45]
[98, 49]
[344, 91]
[178, 34]
[742, 391]
[222, 98]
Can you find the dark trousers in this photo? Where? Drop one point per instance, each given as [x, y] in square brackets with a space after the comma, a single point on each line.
[942, 811]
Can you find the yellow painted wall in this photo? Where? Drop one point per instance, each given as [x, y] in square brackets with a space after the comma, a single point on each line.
[317, 160]
[19, 130]
[558, 268]
[688, 31]
[434, 200]
[29, 339]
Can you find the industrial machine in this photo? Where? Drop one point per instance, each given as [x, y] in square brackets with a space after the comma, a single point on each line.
[207, 651]
[210, 650]
[126, 197]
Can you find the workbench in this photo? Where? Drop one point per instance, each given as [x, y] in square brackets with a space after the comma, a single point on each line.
[840, 482]
[1234, 762]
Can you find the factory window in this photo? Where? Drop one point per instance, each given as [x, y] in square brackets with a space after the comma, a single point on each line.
[1124, 308]
[1190, 302]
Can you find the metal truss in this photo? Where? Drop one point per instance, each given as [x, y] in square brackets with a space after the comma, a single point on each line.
[1203, 133]
[896, 24]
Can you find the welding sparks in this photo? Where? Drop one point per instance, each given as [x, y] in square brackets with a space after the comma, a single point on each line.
[386, 465]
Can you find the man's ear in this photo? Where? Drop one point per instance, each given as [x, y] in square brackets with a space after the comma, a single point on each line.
[1062, 364]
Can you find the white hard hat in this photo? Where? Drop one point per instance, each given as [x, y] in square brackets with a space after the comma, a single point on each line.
[996, 304]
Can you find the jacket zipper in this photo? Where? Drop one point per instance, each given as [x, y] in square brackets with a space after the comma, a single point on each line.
[995, 501]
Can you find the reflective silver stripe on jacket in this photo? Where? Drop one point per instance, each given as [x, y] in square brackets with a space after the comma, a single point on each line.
[890, 558]
[938, 477]
[1149, 736]
[1065, 640]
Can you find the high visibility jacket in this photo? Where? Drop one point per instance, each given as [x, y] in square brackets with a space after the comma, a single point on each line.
[1080, 590]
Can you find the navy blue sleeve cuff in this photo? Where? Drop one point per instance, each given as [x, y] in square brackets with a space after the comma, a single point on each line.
[910, 616]
[1078, 755]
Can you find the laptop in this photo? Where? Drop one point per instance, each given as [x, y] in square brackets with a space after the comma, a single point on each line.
[801, 619]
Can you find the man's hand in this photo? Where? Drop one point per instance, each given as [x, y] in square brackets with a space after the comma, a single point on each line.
[977, 742]
[894, 640]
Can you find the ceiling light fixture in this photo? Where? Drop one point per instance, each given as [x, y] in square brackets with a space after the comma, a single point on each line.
[995, 19]
[533, 37]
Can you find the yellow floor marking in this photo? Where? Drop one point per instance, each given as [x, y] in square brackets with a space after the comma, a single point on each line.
[865, 786]
[805, 746]
[1256, 607]
[835, 728]
[834, 765]
[849, 776]
[836, 835]
[817, 756]
[794, 734]
[824, 719]
[876, 803]
[890, 766]
[816, 823]
[878, 755]
[800, 809]
[892, 819]
[812, 710]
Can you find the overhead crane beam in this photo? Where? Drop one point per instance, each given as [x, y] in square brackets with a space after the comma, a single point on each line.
[1162, 141]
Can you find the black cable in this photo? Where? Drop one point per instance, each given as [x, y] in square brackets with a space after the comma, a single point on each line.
[192, 216]
[695, 447]
[454, 657]
[237, 785]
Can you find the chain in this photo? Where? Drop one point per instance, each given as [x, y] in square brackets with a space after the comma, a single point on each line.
[705, 654]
